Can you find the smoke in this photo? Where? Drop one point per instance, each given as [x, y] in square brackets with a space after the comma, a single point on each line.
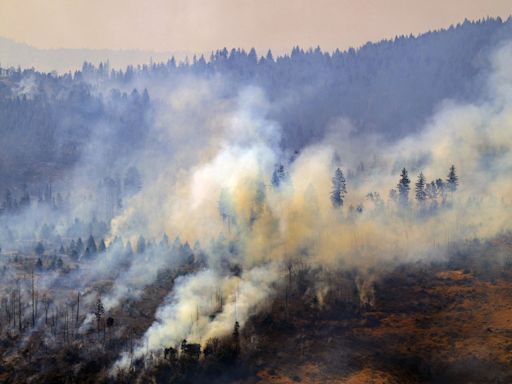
[232, 166]
[296, 221]
[207, 152]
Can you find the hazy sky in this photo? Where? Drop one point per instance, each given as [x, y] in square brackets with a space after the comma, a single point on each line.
[203, 25]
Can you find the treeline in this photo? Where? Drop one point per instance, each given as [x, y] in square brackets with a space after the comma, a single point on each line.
[45, 131]
[428, 195]
[48, 118]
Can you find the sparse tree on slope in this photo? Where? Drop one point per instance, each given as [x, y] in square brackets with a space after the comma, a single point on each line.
[420, 192]
[452, 180]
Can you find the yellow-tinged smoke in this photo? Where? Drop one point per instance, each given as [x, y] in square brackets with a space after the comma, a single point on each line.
[297, 222]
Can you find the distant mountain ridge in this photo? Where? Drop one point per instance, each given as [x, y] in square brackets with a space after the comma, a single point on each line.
[14, 54]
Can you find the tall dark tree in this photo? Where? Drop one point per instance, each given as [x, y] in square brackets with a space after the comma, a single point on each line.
[79, 247]
[420, 189]
[452, 180]
[403, 188]
[91, 248]
[339, 189]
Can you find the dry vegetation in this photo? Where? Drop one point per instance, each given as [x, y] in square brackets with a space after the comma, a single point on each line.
[445, 322]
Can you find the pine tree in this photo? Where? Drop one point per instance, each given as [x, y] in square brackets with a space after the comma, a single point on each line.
[101, 246]
[79, 247]
[420, 192]
[339, 189]
[452, 180]
[91, 248]
[403, 188]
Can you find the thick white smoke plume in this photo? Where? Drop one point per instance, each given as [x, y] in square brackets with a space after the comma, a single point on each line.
[217, 189]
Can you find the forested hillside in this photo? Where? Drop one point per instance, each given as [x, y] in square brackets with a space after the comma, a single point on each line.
[389, 88]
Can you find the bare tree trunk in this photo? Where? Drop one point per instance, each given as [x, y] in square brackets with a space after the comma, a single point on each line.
[77, 309]
[66, 330]
[19, 308]
[13, 305]
[33, 300]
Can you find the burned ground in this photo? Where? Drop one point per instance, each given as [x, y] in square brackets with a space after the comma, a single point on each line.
[441, 322]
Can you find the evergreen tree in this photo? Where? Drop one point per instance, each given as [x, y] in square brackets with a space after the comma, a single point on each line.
[101, 246]
[339, 189]
[403, 188]
[420, 191]
[452, 180]
[79, 247]
[91, 246]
